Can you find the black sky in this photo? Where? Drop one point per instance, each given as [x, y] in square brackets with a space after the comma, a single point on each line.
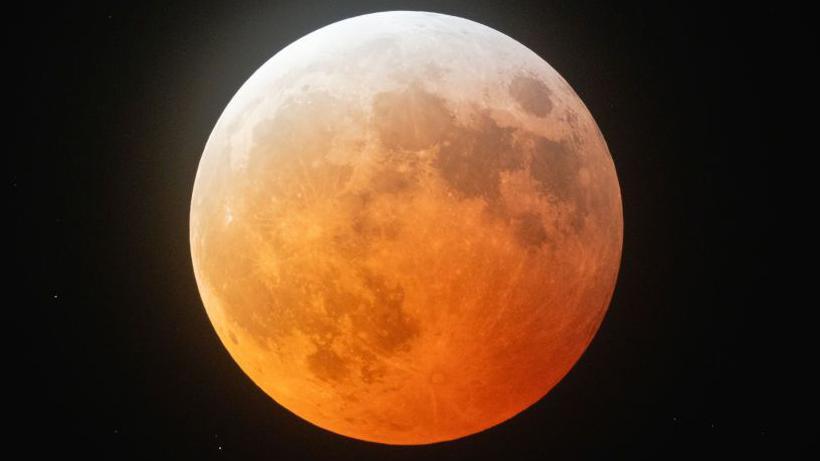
[116, 101]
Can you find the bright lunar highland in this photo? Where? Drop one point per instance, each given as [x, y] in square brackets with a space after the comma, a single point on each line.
[406, 227]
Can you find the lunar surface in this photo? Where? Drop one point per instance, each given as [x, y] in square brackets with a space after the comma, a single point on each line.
[406, 227]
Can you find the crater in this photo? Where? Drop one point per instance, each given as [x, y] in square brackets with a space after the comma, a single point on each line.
[327, 365]
[529, 230]
[411, 118]
[472, 159]
[377, 317]
[246, 300]
[555, 167]
[302, 126]
[368, 227]
[370, 371]
[391, 181]
[383, 320]
[299, 137]
[531, 94]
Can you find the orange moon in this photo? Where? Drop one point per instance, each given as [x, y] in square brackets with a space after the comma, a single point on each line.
[406, 227]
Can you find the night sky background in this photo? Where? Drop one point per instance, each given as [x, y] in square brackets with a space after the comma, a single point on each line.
[118, 358]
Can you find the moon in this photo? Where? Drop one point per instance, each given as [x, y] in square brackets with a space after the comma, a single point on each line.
[406, 227]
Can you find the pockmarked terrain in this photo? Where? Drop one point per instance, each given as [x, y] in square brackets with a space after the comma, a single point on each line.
[406, 227]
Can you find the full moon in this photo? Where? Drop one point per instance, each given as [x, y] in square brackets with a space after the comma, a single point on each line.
[406, 227]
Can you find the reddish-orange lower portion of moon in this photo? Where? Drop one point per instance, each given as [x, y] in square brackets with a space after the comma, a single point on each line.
[399, 273]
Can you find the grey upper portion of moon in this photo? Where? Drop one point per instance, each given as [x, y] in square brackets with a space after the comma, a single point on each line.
[406, 214]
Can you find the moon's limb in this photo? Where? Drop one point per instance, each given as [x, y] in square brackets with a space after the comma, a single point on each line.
[406, 227]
